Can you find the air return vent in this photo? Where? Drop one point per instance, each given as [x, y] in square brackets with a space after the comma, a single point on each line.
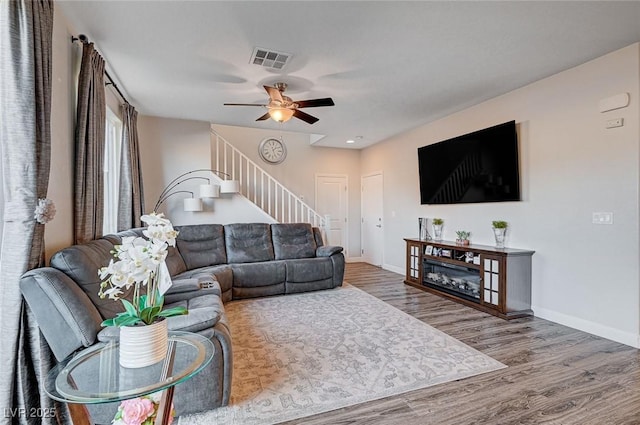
[269, 58]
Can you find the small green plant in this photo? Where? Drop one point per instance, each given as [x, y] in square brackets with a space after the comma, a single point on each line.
[499, 224]
[463, 235]
[437, 221]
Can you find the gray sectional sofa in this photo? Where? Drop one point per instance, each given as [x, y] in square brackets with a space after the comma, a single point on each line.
[210, 265]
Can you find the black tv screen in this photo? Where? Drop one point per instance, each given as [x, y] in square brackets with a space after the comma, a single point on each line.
[477, 167]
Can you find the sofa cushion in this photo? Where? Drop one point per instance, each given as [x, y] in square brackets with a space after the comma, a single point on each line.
[309, 269]
[248, 242]
[201, 245]
[293, 240]
[81, 263]
[317, 235]
[258, 279]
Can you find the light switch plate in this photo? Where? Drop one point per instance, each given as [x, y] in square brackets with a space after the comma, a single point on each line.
[616, 122]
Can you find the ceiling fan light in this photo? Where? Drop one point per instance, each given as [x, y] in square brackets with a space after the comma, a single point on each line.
[280, 114]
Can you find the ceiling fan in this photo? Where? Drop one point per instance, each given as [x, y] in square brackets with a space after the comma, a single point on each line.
[282, 108]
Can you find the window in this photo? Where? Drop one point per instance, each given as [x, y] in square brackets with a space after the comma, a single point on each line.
[113, 145]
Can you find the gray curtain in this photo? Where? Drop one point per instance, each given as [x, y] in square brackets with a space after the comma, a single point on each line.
[130, 195]
[89, 152]
[26, 29]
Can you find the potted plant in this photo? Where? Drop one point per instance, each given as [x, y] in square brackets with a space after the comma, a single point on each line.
[462, 237]
[499, 231]
[437, 228]
[140, 264]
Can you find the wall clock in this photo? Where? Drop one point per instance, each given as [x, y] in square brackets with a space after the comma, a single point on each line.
[272, 150]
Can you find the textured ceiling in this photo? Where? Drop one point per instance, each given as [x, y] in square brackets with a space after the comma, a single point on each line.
[389, 66]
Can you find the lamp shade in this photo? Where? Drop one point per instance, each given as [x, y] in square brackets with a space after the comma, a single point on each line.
[192, 204]
[209, 191]
[229, 186]
[280, 114]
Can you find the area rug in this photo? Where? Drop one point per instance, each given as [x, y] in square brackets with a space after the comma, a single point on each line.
[300, 355]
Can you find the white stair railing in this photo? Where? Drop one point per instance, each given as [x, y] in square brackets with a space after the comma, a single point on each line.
[260, 187]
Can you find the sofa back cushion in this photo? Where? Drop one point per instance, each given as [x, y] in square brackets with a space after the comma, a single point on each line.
[248, 242]
[81, 263]
[201, 245]
[317, 235]
[293, 240]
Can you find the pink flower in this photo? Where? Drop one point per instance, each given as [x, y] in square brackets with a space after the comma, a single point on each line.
[136, 410]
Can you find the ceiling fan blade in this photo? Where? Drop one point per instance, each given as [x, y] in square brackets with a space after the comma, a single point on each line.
[264, 117]
[304, 116]
[244, 104]
[313, 103]
[274, 93]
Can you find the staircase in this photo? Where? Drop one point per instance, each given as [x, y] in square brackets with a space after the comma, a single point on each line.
[260, 187]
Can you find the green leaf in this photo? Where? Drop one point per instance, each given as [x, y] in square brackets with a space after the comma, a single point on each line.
[126, 321]
[108, 322]
[143, 301]
[175, 311]
[149, 314]
[130, 308]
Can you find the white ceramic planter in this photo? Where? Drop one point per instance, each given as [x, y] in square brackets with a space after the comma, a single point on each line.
[142, 346]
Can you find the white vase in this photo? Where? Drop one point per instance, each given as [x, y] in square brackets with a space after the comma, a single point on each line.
[142, 346]
[422, 228]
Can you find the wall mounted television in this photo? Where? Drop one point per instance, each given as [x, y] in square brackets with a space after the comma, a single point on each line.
[477, 167]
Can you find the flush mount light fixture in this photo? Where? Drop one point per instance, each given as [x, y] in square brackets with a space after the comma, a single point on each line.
[351, 141]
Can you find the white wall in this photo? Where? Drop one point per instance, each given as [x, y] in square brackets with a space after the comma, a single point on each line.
[584, 275]
[59, 232]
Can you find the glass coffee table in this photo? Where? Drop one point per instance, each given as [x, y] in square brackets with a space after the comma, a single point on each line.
[95, 376]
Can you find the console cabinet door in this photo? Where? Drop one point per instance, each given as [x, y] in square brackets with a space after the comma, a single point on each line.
[414, 262]
[492, 272]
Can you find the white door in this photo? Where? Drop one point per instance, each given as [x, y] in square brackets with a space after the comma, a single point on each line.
[331, 200]
[372, 226]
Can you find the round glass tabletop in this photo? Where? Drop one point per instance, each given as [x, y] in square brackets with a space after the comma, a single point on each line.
[94, 375]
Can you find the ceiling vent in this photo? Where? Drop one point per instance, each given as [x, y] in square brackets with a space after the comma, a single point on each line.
[269, 58]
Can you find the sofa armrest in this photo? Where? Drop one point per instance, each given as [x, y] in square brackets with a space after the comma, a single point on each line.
[66, 316]
[183, 285]
[187, 288]
[328, 250]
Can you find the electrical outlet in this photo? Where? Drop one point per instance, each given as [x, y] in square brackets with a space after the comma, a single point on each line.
[602, 218]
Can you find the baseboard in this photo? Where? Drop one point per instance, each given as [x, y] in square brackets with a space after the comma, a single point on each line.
[603, 331]
[395, 269]
[353, 259]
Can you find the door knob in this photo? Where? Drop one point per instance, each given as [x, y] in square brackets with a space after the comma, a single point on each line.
[378, 225]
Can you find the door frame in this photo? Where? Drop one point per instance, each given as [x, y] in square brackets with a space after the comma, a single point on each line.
[345, 228]
[362, 177]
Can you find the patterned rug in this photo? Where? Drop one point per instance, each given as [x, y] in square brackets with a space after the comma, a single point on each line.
[299, 355]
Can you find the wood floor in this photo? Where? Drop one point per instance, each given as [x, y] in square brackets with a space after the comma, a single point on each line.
[555, 374]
